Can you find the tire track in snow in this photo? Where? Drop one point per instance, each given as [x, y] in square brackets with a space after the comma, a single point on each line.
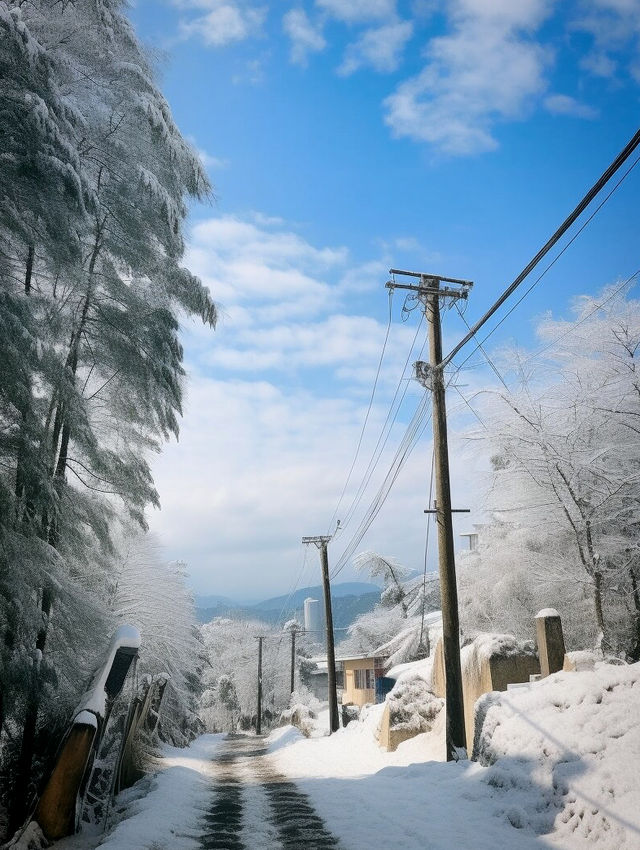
[223, 822]
[256, 808]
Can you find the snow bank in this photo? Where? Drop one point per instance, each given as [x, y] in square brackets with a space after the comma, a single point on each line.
[559, 767]
[488, 645]
[564, 756]
[283, 737]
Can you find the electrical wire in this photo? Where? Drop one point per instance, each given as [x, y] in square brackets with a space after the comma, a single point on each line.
[414, 431]
[426, 549]
[366, 418]
[486, 356]
[412, 434]
[294, 586]
[581, 321]
[384, 434]
[559, 233]
[473, 331]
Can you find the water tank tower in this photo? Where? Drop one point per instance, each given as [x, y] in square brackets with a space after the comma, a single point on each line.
[312, 618]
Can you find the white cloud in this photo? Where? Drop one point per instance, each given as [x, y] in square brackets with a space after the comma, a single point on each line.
[379, 48]
[340, 340]
[258, 264]
[357, 11]
[258, 464]
[281, 297]
[599, 64]
[252, 74]
[305, 36]
[614, 26]
[563, 104]
[610, 22]
[486, 69]
[223, 22]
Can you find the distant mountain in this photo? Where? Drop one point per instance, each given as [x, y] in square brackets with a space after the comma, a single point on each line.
[346, 588]
[213, 601]
[349, 600]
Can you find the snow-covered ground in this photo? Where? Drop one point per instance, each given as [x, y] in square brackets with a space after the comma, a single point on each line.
[561, 766]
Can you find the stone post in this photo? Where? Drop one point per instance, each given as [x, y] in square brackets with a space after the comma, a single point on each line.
[550, 641]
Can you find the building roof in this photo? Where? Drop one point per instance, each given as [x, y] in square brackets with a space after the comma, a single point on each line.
[321, 661]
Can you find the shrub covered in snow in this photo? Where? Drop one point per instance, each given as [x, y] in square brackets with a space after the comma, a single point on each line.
[303, 709]
[412, 706]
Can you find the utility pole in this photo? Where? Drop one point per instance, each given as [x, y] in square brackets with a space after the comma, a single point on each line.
[320, 543]
[293, 659]
[259, 713]
[431, 375]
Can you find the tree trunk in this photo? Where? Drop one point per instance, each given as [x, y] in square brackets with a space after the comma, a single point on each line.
[19, 809]
[22, 497]
[634, 652]
[597, 601]
[61, 432]
[29, 270]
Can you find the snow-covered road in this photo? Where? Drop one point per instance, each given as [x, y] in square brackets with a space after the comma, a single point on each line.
[221, 793]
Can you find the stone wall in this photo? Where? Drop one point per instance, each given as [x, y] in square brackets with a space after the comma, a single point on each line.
[490, 663]
[392, 738]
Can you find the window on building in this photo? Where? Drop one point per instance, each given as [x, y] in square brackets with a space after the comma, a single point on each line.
[364, 680]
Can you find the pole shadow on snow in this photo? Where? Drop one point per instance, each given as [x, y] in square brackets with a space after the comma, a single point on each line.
[567, 766]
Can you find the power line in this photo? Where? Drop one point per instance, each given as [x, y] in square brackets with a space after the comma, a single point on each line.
[412, 434]
[426, 549]
[366, 418]
[566, 224]
[384, 434]
[294, 587]
[375, 507]
[486, 356]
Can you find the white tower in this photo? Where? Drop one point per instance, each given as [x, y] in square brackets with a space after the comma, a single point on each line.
[312, 621]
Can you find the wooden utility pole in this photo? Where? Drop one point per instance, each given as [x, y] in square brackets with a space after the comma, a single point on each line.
[259, 713]
[431, 375]
[320, 543]
[293, 659]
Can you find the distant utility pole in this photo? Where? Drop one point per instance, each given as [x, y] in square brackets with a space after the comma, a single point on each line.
[259, 716]
[431, 375]
[293, 659]
[320, 543]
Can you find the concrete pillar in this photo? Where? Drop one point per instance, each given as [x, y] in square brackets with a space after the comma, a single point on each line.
[550, 641]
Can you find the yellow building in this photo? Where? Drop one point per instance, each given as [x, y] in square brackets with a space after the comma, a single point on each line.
[364, 679]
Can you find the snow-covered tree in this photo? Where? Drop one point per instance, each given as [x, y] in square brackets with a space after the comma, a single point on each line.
[399, 626]
[231, 651]
[94, 184]
[152, 595]
[566, 488]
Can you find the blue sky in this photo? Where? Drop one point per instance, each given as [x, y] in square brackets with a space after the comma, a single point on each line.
[343, 138]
